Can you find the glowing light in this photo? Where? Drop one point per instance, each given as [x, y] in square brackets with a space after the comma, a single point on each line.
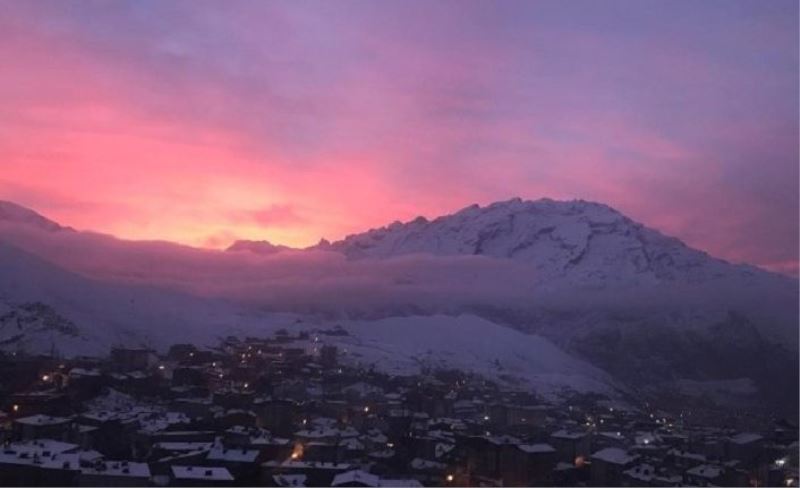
[161, 367]
[450, 478]
[46, 377]
[486, 417]
[366, 409]
[780, 462]
[297, 451]
[15, 408]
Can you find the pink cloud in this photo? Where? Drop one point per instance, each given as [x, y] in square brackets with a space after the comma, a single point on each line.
[193, 125]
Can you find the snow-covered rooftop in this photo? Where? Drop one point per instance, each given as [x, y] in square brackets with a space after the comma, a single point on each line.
[201, 473]
[614, 455]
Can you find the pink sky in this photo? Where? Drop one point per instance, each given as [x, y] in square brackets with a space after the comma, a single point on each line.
[190, 122]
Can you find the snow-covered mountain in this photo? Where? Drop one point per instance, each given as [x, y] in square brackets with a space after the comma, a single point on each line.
[577, 241]
[43, 306]
[641, 305]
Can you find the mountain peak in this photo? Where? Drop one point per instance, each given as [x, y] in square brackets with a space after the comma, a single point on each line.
[577, 240]
[17, 214]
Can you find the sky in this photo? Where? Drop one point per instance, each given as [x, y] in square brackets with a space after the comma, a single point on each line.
[203, 122]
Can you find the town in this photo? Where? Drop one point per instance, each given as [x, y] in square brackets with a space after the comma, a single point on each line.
[293, 410]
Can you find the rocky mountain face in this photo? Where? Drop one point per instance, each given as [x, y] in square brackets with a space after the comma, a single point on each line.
[579, 242]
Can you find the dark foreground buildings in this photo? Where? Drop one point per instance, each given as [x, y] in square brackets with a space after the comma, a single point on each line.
[292, 411]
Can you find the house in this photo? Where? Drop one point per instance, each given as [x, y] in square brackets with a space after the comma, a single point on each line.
[528, 465]
[317, 473]
[114, 473]
[704, 475]
[242, 463]
[200, 476]
[570, 445]
[131, 359]
[36, 464]
[42, 426]
[745, 447]
[356, 477]
[608, 465]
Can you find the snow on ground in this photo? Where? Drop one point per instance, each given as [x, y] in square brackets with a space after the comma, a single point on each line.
[404, 345]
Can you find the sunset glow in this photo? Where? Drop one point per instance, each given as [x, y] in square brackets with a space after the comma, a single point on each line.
[203, 123]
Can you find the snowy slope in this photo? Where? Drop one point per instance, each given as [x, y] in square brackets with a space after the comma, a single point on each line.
[34, 292]
[577, 242]
[44, 308]
[402, 345]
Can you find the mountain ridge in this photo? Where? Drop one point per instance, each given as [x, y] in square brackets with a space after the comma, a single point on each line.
[560, 237]
[15, 213]
[580, 222]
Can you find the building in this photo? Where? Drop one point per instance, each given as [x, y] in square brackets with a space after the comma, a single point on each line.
[608, 466]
